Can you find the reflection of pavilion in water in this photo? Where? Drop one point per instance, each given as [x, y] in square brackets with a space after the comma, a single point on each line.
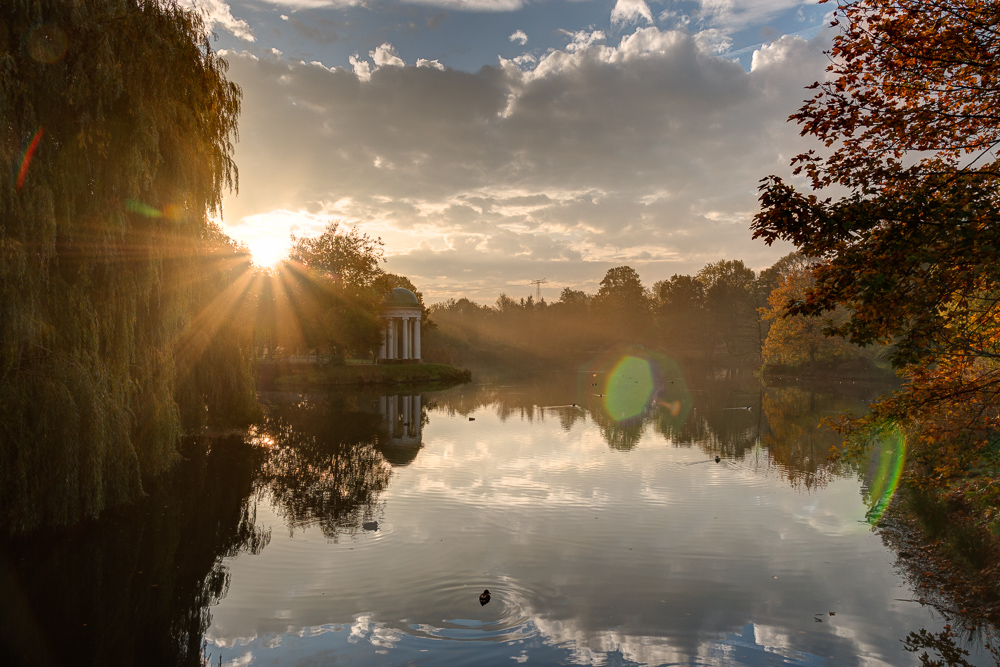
[402, 417]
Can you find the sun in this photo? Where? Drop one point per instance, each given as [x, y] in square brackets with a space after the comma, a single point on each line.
[267, 252]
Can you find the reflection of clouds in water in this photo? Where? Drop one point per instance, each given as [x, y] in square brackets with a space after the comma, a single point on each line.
[375, 632]
[485, 502]
[592, 648]
[750, 644]
[360, 628]
[830, 518]
[502, 473]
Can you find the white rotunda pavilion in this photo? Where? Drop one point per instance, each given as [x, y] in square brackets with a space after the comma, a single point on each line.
[401, 335]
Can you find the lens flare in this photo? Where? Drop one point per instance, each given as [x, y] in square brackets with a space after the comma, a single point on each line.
[887, 462]
[639, 382]
[28, 154]
[628, 388]
[47, 43]
[673, 407]
[170, 211]
[141, 208]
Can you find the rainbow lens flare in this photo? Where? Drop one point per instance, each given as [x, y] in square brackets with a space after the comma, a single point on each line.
[141, 208]
[28, 154]
[628, 388]
[633, 382]
[888, 458]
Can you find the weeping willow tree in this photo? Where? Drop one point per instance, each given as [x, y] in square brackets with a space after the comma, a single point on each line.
[116, 146]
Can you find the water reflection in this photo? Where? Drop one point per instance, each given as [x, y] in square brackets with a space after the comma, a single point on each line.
[723, 412]
[362, 527]
[403, 418]
[139, 586]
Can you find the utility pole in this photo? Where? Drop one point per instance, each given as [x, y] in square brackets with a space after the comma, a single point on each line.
[538, 287]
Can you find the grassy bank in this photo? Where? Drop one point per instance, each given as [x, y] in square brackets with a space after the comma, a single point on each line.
[852, 369]
[307, 375]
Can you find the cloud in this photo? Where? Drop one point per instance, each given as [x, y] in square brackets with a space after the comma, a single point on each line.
[647, 153]
[386, 56]
[730, 15]
[474, 5]
[319, 30]
[362, 68]
[582, 39]
[630, 11]
[217, 12]
[315, 4]
[713, 40]
[519, 37]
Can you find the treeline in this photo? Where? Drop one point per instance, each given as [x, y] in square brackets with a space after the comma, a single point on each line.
[726, 312]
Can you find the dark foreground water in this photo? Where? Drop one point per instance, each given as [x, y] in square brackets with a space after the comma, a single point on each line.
[358, 528]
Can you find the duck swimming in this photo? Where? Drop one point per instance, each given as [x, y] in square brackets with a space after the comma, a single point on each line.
[484, 597]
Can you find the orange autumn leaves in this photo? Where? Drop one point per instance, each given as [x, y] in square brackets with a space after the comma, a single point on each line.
[907, 246]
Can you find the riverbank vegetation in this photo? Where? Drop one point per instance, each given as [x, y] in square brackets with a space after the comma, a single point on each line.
[109, 266]
[128, 317]
[907, 245]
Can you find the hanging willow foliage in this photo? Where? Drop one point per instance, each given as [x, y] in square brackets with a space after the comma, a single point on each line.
[116, 131]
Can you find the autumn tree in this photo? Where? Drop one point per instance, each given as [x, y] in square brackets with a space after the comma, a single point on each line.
[910, 111]
[796, 340]
[909, 118]
[118, 129]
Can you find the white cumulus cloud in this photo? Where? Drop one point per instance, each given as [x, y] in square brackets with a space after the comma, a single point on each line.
[519, 37]
[218, 12]
[630, 11]
[362, 68]
[386, 56]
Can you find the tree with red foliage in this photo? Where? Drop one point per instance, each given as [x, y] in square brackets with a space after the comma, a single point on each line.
[909, 117]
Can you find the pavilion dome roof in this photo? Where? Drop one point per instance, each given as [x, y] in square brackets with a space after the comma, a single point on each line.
[401, 297]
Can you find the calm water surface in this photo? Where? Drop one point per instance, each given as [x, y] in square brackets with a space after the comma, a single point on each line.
[361, 529]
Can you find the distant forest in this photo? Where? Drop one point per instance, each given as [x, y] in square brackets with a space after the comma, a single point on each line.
[727, 312]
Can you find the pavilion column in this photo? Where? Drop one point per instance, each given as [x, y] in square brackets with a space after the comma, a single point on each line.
[392, 339]
[416, 337]
[406, 337]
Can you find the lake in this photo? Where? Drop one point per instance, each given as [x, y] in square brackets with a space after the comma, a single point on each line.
[362, 528]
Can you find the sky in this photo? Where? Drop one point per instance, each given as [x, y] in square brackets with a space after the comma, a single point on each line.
[490, 143]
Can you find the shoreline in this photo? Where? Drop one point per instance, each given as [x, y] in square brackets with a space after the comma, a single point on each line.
[310, 374]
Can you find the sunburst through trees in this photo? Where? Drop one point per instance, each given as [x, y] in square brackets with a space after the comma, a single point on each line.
[126, 316]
